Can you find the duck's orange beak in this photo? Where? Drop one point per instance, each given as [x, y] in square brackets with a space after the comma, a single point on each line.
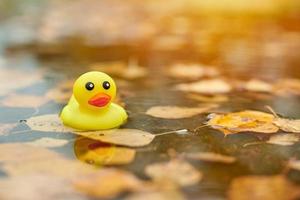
[99, 100]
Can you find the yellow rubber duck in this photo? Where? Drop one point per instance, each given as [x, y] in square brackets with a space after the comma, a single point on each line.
[90, 107]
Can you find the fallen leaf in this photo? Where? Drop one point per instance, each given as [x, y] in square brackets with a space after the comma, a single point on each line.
[294, 164]
[244, 121]
[29, 187]
[286, 87]
[288, 125]
[108, 183]
[208, 99]
[22, 159]
[62, 92]
[258, 86]
[210, 86]
[210, 157]
[5, 129]
[98, 153]
[177, 171]
[284, 139]
[175, 112]
[263, 187]
[191, 71]
[48, 142]
[48, 123]
[157, 195]
[125, 137]
[24, 101]
[20, 79]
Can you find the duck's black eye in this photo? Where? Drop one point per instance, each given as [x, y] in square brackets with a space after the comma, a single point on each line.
[106, 85]
[89, 85]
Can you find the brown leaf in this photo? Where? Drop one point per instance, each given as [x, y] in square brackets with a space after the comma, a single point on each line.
[244, 121]
[286, 87]
[208, 99]
[29, 187]
[210, 86]
[98, 153]
[294, 164]
[191, 71]
[125, 137]
[174, 112]
[258, 86]
[177, 171]
[284, 139]
[263, 187]
[210, 157]
[23, 100]
[108, 183]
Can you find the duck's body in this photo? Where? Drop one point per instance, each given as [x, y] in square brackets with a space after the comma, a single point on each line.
[92, 109]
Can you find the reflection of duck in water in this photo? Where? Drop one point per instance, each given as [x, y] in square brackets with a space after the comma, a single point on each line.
[91, 107]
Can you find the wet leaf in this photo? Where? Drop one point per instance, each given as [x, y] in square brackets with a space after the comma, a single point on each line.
[5, 129]
[98, 153]
[177, 171]
[20, 159]
[210, 157]
[210, 86]
[125, 137]
[108, 183]
[286, 87]
[262, 187]
[288, 125]
[191, 71]
[284, 139]
[24, 101]
[258, 86]
[294, 164]
[208, 99]
[48, 142]
[175, 112]
[29, 187]
[244, 121]
[48, 123]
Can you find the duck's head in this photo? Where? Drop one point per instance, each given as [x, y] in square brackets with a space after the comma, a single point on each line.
[94, 90]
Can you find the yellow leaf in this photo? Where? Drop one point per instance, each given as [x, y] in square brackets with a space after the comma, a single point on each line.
[284, 139]
[210, 86]
[208, 99]
[210, 157]
[98, 153]
[23, 100]
[174, 112]
[125, 137]
[177, 171]
[288, 125]
[258, 86]
[262, 187]
[249, 120]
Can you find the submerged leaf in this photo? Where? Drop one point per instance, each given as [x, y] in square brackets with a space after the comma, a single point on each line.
[210, 157]
[263, 187]
[174, 112]
[210, 86]
[244, 121]
[284, 139]
[177, 171]
[98, 153]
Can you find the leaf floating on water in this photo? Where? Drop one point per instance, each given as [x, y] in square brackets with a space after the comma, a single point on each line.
[108, 183]
[29, 187]
[98, 153]
[125, 137]
[284, 139]
[258, 86]
[244, 121]
[210, 157]
[263, 187]
[48, 142]
[288, 125]
[192, 71]
[5, 129]
[210, 86]
[208, 99]
[287, 87]
[48, 123]
[177, 171]
[62, 92]
[175, 112]
[24, 101]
